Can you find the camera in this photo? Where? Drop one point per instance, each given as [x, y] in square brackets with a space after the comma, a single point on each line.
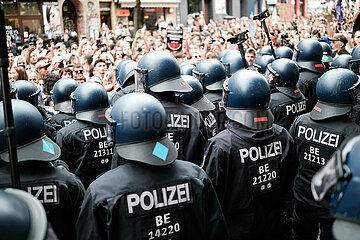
[262, 15]
[239, 38]
[285, 36]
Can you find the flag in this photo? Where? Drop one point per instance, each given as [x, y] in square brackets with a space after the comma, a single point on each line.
[339, 10]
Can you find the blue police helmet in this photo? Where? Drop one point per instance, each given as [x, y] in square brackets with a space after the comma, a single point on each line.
[61, 94]
[89, 102]
[189, 62]
[354, 62]
[265, 50]
[161, 73]
[22, 216]
[285, 76]
[221, 54]
[308, 55]
[232, 62]
[211, 73]
[187, 69]
[284, 52]
[31, 141]
[246, 99]
[196, 97]
[341, 61]
[262, 63]
[126, 73]
[341, 177]
[137, 124]
[336, 91]
[27, 91]
[118, 67]
[326, 52]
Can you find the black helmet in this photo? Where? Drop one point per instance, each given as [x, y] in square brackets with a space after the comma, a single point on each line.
[61, 94]
[265, 50]
[285, 76]
[196, 97]
[284, 52]
[262, 63]
[31, 142]
[186, 69]
[126, 73]
[341, 61]
[189, 62]
[246, 99]
[336, 91]
[354, 62]
[27, 91]
[22, 216]
[232, 62]
[89, 102]
[221, 54]
[158, 71]
[308, 55]
[118, 67]
[137, 124]
[211, 73]
[326, 52]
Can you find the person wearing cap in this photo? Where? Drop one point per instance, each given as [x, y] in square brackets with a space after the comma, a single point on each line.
[83, 143]
[338, 44]
[317, 135]
[151, 194]
[42, 69]
[41, 173]
[196, 99]
[340, 178]
[252, 163]
[308, 55]
[158, 74]
[286, 102]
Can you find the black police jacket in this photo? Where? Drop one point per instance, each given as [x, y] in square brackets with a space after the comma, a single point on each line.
[186, 129]
[84, 148]
[61, 120]
[252, 173]
[285, 109]
[60, 192]
[219, 112]
[139, 201]
[315, 142]
[307, 85]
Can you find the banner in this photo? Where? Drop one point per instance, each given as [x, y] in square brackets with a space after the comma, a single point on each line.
[52, 19]
[174, 39]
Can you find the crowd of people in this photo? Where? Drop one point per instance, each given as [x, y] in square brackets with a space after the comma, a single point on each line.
[120, 138]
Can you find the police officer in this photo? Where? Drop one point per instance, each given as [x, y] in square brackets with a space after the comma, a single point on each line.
[251, 162]
[308, 55]
[186, 69]
[232, 62]
[326, 58]
[126, 80]
[262, 63]
[286, 102]
[354, 65]
[341, 174]
[22, 216]
[30, 93]
[317, 135]
[196, 99]
[341, 61]
[62, 103]
[265, 50]
[284, 52]
[60, 192]
[221, 54]
[151, 195]
[186, 129]
[83, 143]
[212, 74]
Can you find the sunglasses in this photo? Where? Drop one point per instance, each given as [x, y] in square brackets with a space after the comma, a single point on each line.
[79, 71]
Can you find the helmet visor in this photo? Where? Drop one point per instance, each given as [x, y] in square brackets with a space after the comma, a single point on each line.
[110, 128]
[355, 90]
[227, 69]
[225, 92]
[334, 171]
[200, 76]
[73, 103]
[355, 67]
[141, 76]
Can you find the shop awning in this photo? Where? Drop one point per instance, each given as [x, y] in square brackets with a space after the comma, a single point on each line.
[149, 3]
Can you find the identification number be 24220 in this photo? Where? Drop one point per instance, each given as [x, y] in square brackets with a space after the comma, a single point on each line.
[164, 231]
